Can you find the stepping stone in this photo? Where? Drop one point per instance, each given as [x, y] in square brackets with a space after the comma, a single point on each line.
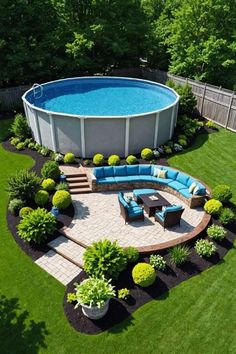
[59, 267]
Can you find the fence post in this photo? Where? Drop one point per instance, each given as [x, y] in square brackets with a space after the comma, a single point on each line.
[229, 109]
[203, 98]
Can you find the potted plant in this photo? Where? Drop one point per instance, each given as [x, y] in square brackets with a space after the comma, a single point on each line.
[94, 294]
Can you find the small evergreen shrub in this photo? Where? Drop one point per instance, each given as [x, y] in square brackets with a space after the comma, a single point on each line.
[48, 184]
[51, 170]
[113, 160]
[179, 254]
[41, 198]
[222, 192]
[205, 248]
[227, 216]
[132, 254]
[23, 185]
[14, 141]
[211, 125]
[25, 211]
[123, 294]
[62, 186]
[182, 136]
[69, 158]
[37, 226]
[216, 232]
[213, 207]
[104, 258]
[98, 159]
[20, 127]
[183, 142]
[61, 199]
[15, 205]
[187, 99]
[131, 160]
[146, 154]
[143, 274]
[20, 146]
[157, 262]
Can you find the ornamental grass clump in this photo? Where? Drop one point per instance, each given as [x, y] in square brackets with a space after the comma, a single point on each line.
[222, 192]
[205, 248]
[213, 207]
[143, 274]
[15, 205]
[216, 232]
[179, 254]
[227, 216]
[157, 262]
[62, 186]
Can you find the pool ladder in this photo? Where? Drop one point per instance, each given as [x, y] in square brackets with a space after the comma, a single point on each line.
[39, 94]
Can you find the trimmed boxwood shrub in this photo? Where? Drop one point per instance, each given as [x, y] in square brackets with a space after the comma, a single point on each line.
[222, 192]
[104, 258]
[113, 160]
[41, 198]
[216, 232]
[61, 199]
[98, 159]
[48, 184]
[132, 254]
[143, 274]
[179, 254]
[227, 216]
[51, 170]
[37, 226]
[20, 127]
[15, 205]
[213, 207]
[69, 158]
[131, 160]
[146, 154]
[25, 211]
[205, 248]
[23, 185]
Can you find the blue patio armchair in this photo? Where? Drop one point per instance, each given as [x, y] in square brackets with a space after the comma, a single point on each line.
[171, 216]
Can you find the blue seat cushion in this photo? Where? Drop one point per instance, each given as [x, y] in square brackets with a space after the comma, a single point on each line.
[136, 211]
[172, 174]
[133, 204]
[185, 193]
[182, 178]
[176, 185]
[142, 178]
[119, 171]
[132, 170]
[106, 180]
[160, 215]
[138, 192]
[108, 171]
[161, 180]
[98, 172]
[124, 179]
[145, 169]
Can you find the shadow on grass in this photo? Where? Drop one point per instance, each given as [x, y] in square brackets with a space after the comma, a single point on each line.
[19, 334]
[200, 140]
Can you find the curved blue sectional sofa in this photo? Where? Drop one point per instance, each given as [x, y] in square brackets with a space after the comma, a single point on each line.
[138, 176]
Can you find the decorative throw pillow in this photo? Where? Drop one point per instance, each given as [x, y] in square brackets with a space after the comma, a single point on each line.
[162, 173]
[127, 199]
[192, 187]
[196, 190]
[155, 172]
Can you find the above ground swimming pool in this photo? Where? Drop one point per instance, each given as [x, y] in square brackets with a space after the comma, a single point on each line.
[107, 115]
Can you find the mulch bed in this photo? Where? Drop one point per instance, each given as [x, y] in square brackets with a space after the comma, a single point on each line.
[172, 276]
[32, 249]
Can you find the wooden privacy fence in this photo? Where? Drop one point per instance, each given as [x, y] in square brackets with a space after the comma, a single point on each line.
[214, 103]
[10, 98]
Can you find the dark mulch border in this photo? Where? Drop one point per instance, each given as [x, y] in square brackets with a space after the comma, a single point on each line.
[65, 218]
[172, 276]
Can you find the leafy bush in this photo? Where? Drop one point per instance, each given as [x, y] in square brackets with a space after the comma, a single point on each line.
[28, 141]
[123, 294]
[205, 248]
[41, 198]
[213, 207]
[14, 141]
[71, 297]
[15, 205]
[156, 154]
[48, 184]
[179, 254]
[187, 125]
[187, 98]
[31, 146]
[51, 170]
[182, 136]
[58, 157]
[113, 160]
[131, 160]
[104, 258]
[69, 158]
[222, 192]
[143, 274]
[157, 262]
[98, 159]
[44, 151]
[94, 292]
[61, 199]
[23, 185]
[211, 125]
[227, 216]
[38, 147]
[183, 142]
[37, 226]
[146, 154]
[168, 150]
[216, 232]
[25, 211]
[20, 146]
[62, 186]
[132, 254]
[87, 162]
[20, 127]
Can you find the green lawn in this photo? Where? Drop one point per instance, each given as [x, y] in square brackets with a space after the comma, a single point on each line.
[198, 316]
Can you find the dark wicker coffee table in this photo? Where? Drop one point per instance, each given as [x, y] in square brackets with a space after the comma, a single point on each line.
[150, 205]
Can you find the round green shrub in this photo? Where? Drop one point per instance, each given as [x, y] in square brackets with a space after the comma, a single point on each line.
[37, 226]
[98, 159]
[146, 154]
[143, 274]
[227, 216]
[25, 211]
[216, 232]
[213, 207]
[222, 192]
[15, 205]
[131, 160]
[69, 158]
[113, 160]
[41, 198]
[132, 254]
[205, 248]
[182, 136]
[182, 142]
[48, 184]
[157, 262]
[51, 170]
[61, 199]
[20, 146]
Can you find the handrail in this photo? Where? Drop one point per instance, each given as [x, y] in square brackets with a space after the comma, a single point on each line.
[34, 87]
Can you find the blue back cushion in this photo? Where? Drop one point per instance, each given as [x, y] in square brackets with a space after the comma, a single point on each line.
[145, 169]
[98, 172]
[132, 170]
[191, 181]
[121, 199]
[202, 189]
[120, 171]
[108, 172]
[182, 178]
[172, 174]
[173, 208]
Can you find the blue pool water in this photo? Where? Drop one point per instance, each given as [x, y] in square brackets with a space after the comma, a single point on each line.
[102, 97]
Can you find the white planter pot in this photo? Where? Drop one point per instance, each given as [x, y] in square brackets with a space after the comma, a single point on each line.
[95, 313]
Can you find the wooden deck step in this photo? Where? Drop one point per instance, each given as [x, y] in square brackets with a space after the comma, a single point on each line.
[75, 174]
[76, 179]
[81, 190]
[78, 185]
